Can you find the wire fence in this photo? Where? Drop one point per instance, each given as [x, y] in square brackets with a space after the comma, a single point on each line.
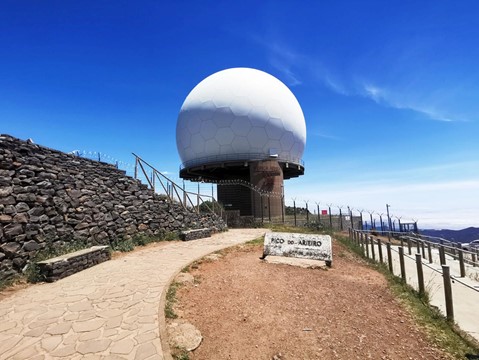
[296, 212]
[448, 273]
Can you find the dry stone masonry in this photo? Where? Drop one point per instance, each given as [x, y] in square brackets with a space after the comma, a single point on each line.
[49, 198]
[62, 266]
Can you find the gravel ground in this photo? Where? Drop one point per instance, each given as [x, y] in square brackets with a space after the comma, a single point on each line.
[246, 308]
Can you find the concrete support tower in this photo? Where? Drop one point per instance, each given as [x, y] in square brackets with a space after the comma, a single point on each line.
[243, 129]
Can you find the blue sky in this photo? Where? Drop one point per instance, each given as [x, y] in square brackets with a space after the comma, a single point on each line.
[389, 89]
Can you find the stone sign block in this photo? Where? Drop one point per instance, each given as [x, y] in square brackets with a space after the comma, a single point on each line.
[306, 246]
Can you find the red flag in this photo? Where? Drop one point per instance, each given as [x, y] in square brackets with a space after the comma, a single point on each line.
[324, 212]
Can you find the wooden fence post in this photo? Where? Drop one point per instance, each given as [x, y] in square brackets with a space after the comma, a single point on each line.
[448, 293]
[390, 258]
[366, 240]
[409, 246]
[420, 275]
[442, 255]
[423, 250]
[380, 251]
[473, 259]
[401, 262]
[461, 263]
[373, 253]
[429, 252]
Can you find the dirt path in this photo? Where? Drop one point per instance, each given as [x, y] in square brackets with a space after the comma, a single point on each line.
[248, 309]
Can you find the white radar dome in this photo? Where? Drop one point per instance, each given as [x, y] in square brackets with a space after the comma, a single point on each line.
[240, 114]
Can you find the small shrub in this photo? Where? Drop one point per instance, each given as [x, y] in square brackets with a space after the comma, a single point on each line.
[142, 240]
[123, 246]
[171, 300]
[170, 236]
[180, 353]
[33, 274]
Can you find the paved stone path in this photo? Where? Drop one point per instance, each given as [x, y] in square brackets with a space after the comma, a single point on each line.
[109, 311]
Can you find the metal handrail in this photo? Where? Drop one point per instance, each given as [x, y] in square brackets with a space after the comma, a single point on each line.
[238, 157]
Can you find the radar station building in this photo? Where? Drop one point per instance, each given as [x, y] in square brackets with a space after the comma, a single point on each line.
[244, 130]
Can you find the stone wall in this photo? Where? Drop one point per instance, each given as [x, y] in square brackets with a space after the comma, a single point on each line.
[62, 266]
[48, 197]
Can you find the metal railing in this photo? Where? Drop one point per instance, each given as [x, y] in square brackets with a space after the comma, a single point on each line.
[239, 157]
[453, 261]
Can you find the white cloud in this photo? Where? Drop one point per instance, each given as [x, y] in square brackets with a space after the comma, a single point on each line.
[388, 98]
[446, 204]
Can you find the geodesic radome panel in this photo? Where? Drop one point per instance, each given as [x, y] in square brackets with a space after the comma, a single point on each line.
[242, 114]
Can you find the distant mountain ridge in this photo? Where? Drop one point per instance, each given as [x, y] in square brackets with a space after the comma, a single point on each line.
[462, 236]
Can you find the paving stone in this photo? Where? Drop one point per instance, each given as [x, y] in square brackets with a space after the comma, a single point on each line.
[114, 322]
[91, 323]
[88, 325]
[87, 315]
[111, 313]
[143, 328]
[71, 317]
[42, 323]
[144, 351]
[124, 346]
[93, 346]
[8, 343]
[59, 329]
[110, 332]
[90, 335]
[113, 357]
[65, 351]
[38, 357]
[36, 332]
[51, 314]
[51, 343]
[7, 325]
[80, 306]
[25, 354]
[71, 339]
[149, 311]
[148, 336]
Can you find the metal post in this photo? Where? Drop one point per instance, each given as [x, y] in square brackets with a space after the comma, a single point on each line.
[389, 222]
[136, 168]
[307, 213]
[351, 217]
[420, 275]
[282, 209]
[262, 210]
[448, 293]
[269, 208]
[319, 216]
[330, 218]
[341, 219]
[184, 194]
[198, 199]
[294, 209]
